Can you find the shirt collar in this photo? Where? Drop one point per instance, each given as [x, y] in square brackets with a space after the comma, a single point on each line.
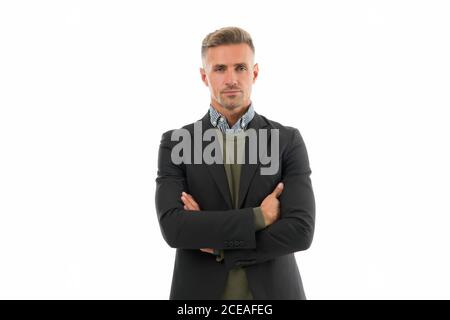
[220, 122]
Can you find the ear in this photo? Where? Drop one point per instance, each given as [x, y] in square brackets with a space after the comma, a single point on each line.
[255, 72]
[203, 75]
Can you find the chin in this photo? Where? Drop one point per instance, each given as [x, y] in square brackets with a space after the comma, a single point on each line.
[232, 106]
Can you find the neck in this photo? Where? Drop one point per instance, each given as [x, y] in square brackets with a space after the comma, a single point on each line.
[232, 116]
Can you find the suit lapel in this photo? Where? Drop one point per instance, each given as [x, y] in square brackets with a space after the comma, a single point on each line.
[248, 170]
[217, 171]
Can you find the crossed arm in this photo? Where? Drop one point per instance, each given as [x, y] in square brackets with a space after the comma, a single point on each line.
[268, 212]
[185, 227]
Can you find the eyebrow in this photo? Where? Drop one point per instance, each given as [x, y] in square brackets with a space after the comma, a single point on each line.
[236, 65]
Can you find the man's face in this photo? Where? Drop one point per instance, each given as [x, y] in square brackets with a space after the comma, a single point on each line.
[229, 73]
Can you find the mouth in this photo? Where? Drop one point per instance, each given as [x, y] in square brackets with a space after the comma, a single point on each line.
[232, 92]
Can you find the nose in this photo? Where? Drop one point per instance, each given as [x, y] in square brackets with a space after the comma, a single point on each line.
[231, 79]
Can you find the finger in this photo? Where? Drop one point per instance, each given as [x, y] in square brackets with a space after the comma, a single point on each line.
[185, 200]
[194, 205]
[187, 204]
[190, 205]
[208, 250]
[185, 197]
[278, 189]
[192, 201]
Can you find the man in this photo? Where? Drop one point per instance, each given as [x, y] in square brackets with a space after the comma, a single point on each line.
[235, 228]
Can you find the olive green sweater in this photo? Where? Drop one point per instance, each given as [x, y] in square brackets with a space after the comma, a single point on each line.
[236, 287]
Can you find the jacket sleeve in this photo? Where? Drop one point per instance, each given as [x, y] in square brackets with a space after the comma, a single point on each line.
[259, 224]
[295, 229]
[195, 229]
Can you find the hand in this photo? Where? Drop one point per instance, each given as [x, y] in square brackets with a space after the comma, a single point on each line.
[270, 206]
[191, 205]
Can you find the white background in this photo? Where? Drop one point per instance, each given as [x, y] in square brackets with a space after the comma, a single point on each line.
[88, 87]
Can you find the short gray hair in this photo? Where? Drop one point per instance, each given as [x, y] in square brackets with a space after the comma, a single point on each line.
[224, 36]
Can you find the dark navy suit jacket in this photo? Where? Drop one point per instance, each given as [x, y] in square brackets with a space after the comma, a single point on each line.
[268, 254]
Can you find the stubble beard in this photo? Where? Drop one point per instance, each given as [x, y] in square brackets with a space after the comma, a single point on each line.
[232, 103]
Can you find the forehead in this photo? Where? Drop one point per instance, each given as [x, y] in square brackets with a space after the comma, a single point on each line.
[229, 54]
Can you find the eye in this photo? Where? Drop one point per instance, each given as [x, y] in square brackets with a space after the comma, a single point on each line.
[242, 68]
